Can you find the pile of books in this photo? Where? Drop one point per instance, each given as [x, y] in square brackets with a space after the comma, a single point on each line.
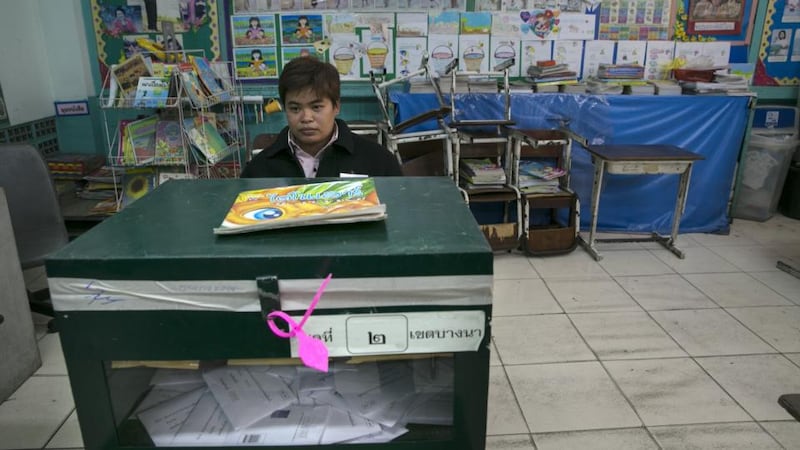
[72, 166]
[620, 71]
[548, 76]
[723, 84]
[481, 173]
[539, 177]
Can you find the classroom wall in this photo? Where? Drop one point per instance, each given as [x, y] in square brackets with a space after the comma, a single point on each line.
[26, 68]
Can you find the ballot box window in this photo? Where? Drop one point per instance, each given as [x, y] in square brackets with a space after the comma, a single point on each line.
[247, 402]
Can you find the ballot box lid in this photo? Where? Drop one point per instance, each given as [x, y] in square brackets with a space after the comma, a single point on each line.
[167, 235]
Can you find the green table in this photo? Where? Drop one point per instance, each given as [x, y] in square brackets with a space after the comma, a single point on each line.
[153, 283]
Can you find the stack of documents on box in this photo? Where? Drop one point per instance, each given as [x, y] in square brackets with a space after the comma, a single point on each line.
[722, 84]
[482, 173]
[294, 406]
[598, 86]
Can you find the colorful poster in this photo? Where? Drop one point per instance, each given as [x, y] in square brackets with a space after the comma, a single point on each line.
[533, 51]
[256, 62]
[253, 30]
[636, 20]
[502, 50]
[658, 58]
[596, 53]
[715, 16]
[301, 28]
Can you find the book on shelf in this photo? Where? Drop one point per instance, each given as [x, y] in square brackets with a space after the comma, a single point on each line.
[223, 72]
[152, 92]
[127, 74]
[104, 174]
[169, 143]
[205, 137]
[142, 136]
[125, 156]
[72, 165]
[166, 175]
[136, 183]
[190, 84]
[332, 202]
[209, 79]
[104, 207]
[482, 171]
[540, 170]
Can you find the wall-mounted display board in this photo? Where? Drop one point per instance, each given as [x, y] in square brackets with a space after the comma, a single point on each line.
[125, 27]
[779, 54]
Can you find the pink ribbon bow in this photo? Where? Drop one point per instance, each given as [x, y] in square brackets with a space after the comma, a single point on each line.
[312, 351]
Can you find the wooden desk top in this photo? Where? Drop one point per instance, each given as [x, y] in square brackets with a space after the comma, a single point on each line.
[642, 153]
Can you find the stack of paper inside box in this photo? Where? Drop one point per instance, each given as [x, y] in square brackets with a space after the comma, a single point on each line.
[371, 402]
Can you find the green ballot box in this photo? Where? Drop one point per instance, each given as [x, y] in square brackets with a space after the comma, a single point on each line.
[166, 342]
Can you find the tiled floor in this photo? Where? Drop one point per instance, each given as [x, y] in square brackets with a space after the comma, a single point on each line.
[641, 350]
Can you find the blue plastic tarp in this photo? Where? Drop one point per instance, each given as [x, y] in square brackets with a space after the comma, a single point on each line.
[712, 126]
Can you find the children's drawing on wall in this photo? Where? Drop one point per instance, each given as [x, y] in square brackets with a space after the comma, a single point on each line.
[409, 53]
[256, 62]
[503, 50]
[796, 46]
[506, 24]
[715, 16]
[533, 51]
[412, 24]
[345, 52]
[301, 28]
[476, 22]
[240, 6]
[442, 49]
[340, 23]
[379, 54]
[473, 53]
[487, 5]
[791, 11]
[253, 30]
[658, 58]
[290, 53]
[120, 20]
[446, 22]
[542, 23]
[779, 45]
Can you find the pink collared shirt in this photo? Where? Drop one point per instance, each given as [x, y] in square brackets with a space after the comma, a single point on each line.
[310, 163]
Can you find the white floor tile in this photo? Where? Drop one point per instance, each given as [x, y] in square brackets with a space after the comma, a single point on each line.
[512, 266]
[697, 260]
[683, 242]
[795, 357]
[633, 262]
[728, 436]
[538, 339]
[751, 258]
[736, 289]
[780, 326]
[573, 396]
[503, 414]
[662, 292]
[577, 265]
[755, 382]
[710, 332]
[513, 442]
[673, 391]
[613, 246]
[494, 359]
[625, 335]
[69, 435]
[781, 282]
[787, 433]
[592, 296]
[720, 240]
[518, 297]
[34, 412]
[52, 357]
[618, 439]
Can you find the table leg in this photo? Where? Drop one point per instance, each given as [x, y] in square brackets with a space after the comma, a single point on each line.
[599, 170]
[680, 204]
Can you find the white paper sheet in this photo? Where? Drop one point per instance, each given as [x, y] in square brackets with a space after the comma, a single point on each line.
[164, 420]
[344, 426]
[295, 425]
[205, 425]
[247, 396]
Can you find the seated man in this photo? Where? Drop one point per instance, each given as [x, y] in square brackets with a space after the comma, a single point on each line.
[316, 143]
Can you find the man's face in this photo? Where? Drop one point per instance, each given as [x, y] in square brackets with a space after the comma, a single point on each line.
[311, 119]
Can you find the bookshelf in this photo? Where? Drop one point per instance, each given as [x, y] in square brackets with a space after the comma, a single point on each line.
[174, 115]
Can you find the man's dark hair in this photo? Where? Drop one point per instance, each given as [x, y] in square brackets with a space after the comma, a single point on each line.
[306, 72]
